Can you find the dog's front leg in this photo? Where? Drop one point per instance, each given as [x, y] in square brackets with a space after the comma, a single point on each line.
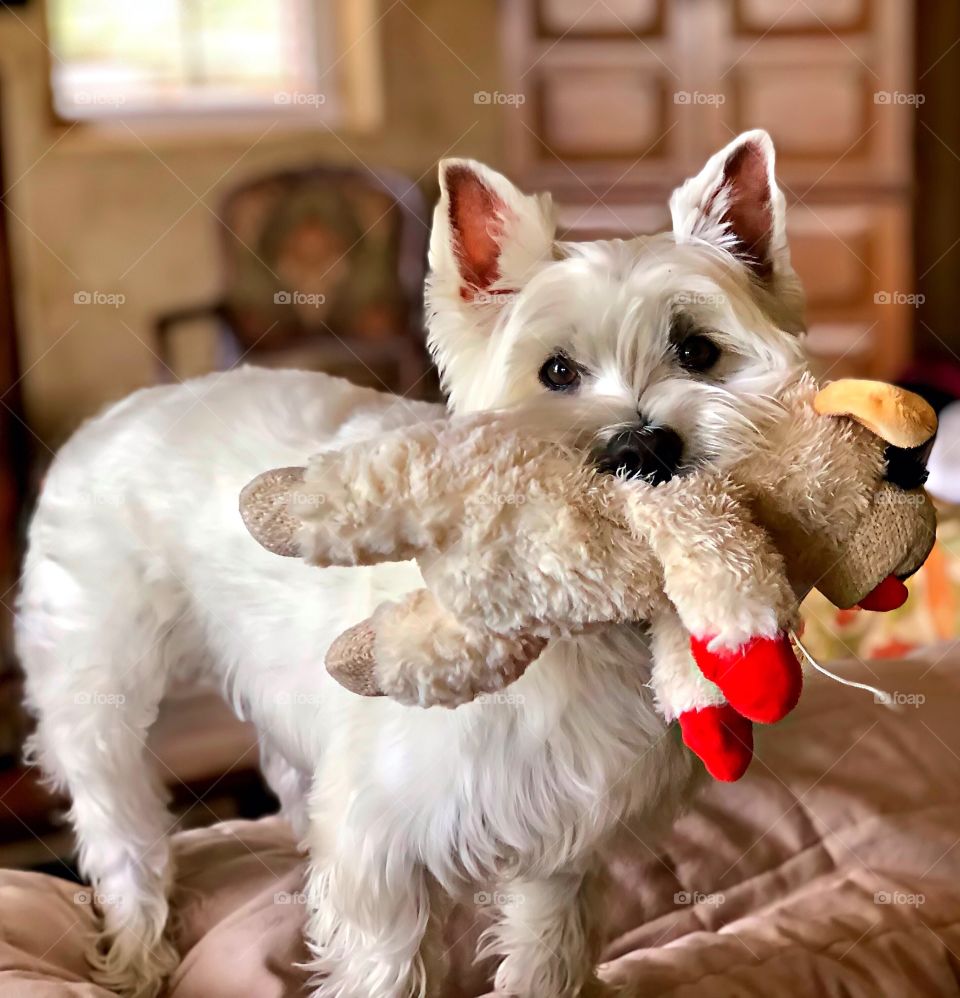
[546, 936]
[369, 909]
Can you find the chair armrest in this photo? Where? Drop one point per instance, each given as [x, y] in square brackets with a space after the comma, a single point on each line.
[166, 322]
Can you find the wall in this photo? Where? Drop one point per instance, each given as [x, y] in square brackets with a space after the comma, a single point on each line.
[132, 215]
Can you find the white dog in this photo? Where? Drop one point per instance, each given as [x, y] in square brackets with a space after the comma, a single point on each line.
[140, 572]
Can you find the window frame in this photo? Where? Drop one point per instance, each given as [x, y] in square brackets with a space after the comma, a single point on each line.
[355, 72]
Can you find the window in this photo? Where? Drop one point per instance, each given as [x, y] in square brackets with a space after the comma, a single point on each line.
[174, 57]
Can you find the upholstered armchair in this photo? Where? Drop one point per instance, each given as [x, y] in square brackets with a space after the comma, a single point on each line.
[323, 268]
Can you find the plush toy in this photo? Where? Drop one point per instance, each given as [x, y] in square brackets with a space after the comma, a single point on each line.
[520, 543]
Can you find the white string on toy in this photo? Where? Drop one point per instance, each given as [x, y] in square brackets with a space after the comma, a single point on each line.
[881, 696]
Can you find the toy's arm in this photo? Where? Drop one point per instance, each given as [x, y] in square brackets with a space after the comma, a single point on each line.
[416, 652]
[383, 499]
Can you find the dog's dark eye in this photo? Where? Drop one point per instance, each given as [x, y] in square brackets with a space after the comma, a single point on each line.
[560, 374]
[698, 353]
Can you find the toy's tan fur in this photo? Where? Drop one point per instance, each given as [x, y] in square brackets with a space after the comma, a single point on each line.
[520, 543]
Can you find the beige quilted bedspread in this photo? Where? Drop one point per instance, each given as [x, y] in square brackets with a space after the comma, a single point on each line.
[833, 869]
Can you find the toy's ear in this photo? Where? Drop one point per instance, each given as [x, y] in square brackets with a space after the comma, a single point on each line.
[264, 508]
[895, 415]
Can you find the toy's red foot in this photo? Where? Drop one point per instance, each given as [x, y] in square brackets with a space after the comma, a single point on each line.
[721, 738]
[761, 679]
[889, 595]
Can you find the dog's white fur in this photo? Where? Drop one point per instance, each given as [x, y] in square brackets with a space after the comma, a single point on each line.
[140, 573]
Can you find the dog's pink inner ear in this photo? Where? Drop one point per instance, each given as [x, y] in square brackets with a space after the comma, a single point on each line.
[476, 219]
[749, 208]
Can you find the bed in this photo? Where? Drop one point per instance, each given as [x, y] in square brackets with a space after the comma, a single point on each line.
[833, 868]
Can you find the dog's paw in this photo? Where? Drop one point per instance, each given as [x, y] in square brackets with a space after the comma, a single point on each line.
[721, 738]
[761, 679]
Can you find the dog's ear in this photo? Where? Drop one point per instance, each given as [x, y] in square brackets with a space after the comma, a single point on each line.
[488, 240]
[734, 202]
[488, 236]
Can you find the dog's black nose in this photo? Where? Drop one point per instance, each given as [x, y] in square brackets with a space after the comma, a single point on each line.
[649, 452]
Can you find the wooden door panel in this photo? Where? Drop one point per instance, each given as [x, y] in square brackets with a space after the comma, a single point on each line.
[831, 82]
[778, 17]
[833, 119]
[612, 18]
[603, 112]
[600, 85]
[580, 221]
[834, 257]
[853, 261]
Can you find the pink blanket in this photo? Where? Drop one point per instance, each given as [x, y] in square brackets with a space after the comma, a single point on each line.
[832, 869]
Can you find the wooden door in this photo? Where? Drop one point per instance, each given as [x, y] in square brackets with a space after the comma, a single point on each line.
[623, 100]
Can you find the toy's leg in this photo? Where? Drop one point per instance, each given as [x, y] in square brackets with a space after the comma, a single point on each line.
[544, 934]
[720, 737]
[417, 652]
[711, 728]
[730, 589]
[761, 679]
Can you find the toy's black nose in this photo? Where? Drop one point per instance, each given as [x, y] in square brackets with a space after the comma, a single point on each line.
[649, 452]
[907, 466]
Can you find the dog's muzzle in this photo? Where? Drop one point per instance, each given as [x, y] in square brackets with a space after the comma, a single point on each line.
[652, 453]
